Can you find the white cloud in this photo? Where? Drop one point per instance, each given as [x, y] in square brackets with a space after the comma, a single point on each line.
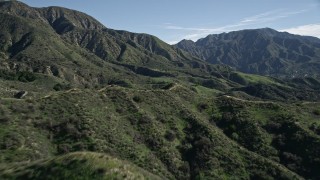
[195, 33]
[184, 28]
[306, 30]
[260, 17]
[173, 42]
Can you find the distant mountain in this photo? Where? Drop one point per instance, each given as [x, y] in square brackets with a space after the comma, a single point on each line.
[260, 51]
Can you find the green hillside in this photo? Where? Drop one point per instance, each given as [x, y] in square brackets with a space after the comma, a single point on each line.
[76, 166]
[82, 101]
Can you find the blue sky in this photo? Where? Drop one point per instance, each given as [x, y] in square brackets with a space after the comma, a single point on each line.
[174, 20]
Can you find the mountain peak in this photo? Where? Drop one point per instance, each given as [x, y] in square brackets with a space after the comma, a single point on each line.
[18, 8]
[58, 15]
[266, 31]
[54, 15]
[262, 51]
[12, 3]
[186, 42]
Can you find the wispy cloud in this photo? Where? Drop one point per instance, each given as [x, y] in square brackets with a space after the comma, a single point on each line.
[172, 27]
[270, 16]
[260, 17]
[306, 30]
[195, 33]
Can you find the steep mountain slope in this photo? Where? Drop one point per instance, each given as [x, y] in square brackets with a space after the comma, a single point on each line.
[260, 51]
[69, 84]
[76, 50]
[76, 166]
[28, 31]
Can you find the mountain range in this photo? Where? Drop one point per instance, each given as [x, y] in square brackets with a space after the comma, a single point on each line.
[79, 100]
[260, 51]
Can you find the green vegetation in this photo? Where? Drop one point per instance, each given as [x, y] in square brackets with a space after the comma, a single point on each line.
[23, 76]
[180, 142]
[107, 104]
[76, 166]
